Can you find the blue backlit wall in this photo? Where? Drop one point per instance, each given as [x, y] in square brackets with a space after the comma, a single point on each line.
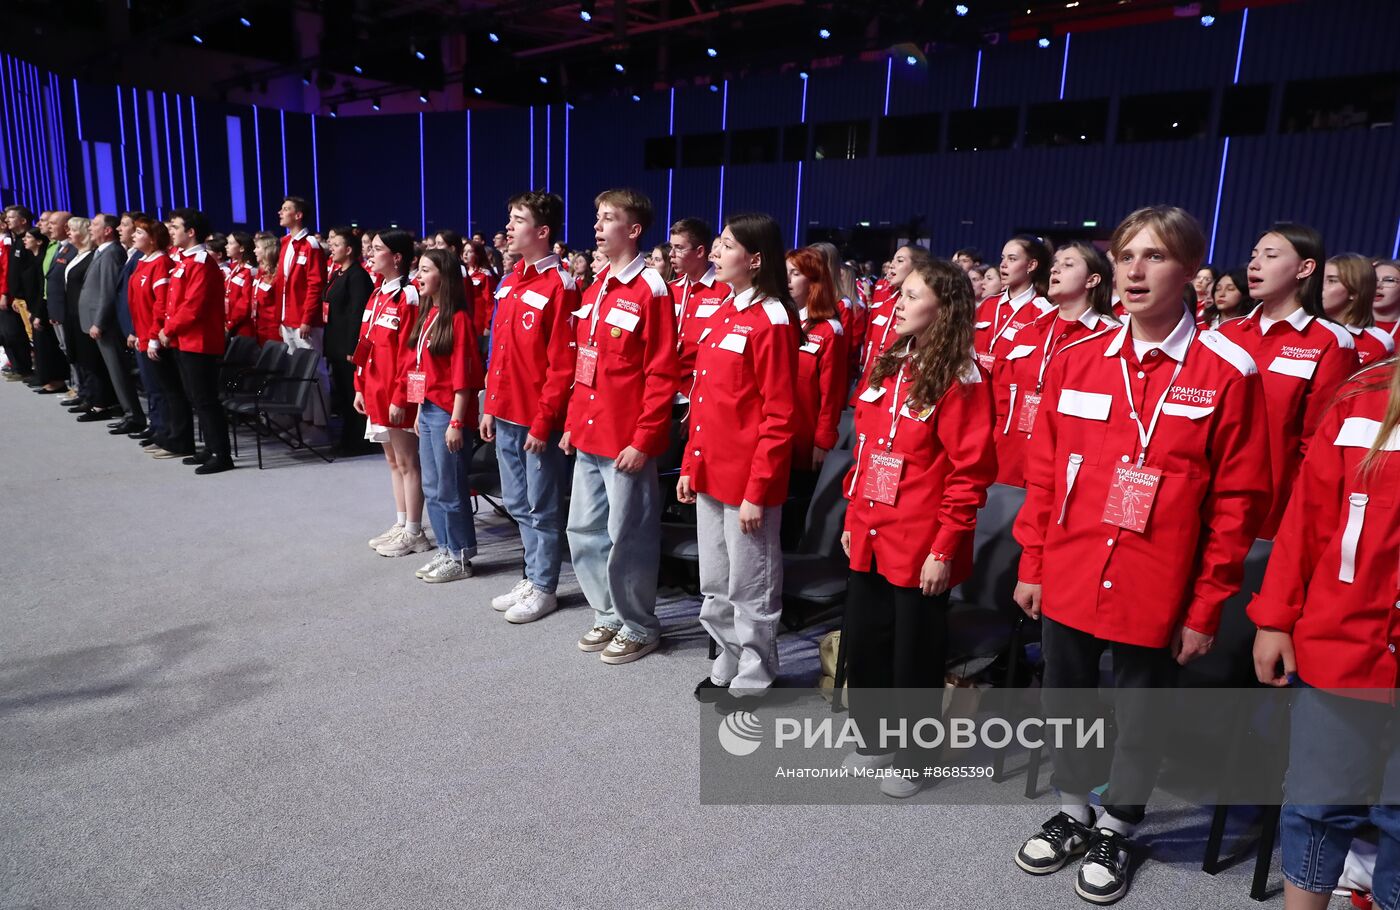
[70, 142]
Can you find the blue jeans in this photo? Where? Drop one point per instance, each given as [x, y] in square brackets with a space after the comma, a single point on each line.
[1348, 745]
[533, 489]
[445, 484]
[615, 542]
[155, 397]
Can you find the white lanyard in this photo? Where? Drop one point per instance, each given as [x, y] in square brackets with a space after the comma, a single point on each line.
[1145, 434]
[597, 306]
[998, 332]
[423, 337]
[894, 421]
[685, 305]
[1047, 353]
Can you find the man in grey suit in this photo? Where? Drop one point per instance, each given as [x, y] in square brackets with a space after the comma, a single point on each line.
[97, 312]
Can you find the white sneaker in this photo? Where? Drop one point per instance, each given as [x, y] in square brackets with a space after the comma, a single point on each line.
[512, 597]
[536, 605]
[856, 760]
[901, 787]
[431, 564]
[377, 542]
[449, 569]
[404, 544]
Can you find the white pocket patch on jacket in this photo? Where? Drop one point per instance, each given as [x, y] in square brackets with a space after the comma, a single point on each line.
[623, 319]
[733, 343]
[1302, 369]
[1088, 405]
[1194, 412]
[534, 299]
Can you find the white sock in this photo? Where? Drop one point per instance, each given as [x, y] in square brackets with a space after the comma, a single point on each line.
[1077, 807]
[413, 527]
[1117, 825]
[401, 518]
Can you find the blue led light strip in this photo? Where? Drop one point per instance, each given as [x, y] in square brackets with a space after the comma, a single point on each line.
[889, 76]
[422, 186]
[671, 171]
[24, 124]
[797, 211]
[61, 133]
[126, 174]
[532, 148]
[194, 135]
[257, 159]
[1395, 249]
[548, 143]
[470, 225]
[1219, 190]
[568, 107]
[315, 174]
[4, 143]
[282, 126]
[184, 164]
[1239, 53]
[169, 151]
[140, 159]
[31, 116]
[1064, 67]
[977, 79]
[723, 126]
[155, 156]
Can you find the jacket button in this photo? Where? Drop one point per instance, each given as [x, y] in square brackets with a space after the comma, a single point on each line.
[1392, 649]
[592, 397]
[1141, 375]
[872, 534]
[880, 442]
[1107, 584]
[703, 372]
[590, 422]
[699, 400]
[1110, 541]
[1125, 459]
[696, 453]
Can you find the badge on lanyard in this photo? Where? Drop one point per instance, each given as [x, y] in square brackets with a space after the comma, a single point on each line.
[586, 367]
[363, 348]
[1030, 406]
[882, 477]
[417, 386]
[985, 360]
[1130, 496]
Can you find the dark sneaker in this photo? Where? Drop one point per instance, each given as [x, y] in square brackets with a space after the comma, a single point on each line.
[1050, 848]
[1103, 873]
[596, 638]
[710, 692]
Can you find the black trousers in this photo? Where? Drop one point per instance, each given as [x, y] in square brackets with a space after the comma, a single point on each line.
[49, 363]
[200, 374]
[1072, 662]
[179, 430]
[896, 642]
[94, 385]
[352, 422]
[15, 340]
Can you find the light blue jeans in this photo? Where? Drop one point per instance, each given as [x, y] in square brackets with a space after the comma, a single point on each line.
[446, 487]
[533, 489]
[615, 541]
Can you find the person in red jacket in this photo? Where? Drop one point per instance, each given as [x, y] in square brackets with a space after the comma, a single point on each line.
[1386, 307]
[697, 293]
[527, 392]
[389, 317]
[1348, 290]
[1326, 617]
[924, 459]
[1146, 482]
[821, 388]
[301, 279]
[849, 304]
[1025, 273]
[148, 296]
[1302, 355]
[440, 372]
[619, 423]
[879, 328]
[1081, 287]
[481, 288]
[267, 320]
[194, 328]
[739, 455]
[239, 284]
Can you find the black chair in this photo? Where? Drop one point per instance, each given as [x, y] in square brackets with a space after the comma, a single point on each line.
[814, 578]
[241, 381]
[484, 476]
[283, 396]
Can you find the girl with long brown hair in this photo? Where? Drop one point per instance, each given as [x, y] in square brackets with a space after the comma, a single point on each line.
[1348, 290]
[821, 360]
[923, 461]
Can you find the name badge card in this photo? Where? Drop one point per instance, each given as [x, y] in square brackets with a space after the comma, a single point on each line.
[586, 368]
[882, 477]
[1130, 497]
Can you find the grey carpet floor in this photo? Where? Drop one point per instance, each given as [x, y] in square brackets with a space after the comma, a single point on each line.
[214, 695]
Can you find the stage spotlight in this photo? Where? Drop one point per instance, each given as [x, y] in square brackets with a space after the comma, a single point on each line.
[1207, 20]
[493, 37]
[1044, 40]
[636, 97]
[423, 98]
[802, 75]
[544, 80]
[476, 90]
[961, 9]
[359, 70]
[374, 103]
[711, 52]
[243, 21]
[197, 39]
[824, 34]
[420, 55]
[911, 60]
[714, 88]
[618, 67]
[585, 11]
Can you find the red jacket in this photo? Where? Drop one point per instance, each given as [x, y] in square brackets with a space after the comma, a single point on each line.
[1123, 585]
[820, 392]
[1302, 361]
[147, 294]
[480, 287]
[1372, 344]
[853, 325]
[949, 461]
[696, 302]
[1018, 376]
[238, 300]
[194, 322]
[266, 318]
[446, 375]
[301, 277]
[742, 409]
[7, 248]
[1332, 580]
[384, 328]
[532, 347]
[1000, 318]
[879, 335]
[630, 320]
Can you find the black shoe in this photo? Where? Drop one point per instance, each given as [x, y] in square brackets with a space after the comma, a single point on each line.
[215, 466]
[145, 434]
[43, 391]
[710, 692]
[197, 458]
[1106, 869]
[78, 406]
[96, 414]
[1051, 847]
[124, 422]
[128, 427]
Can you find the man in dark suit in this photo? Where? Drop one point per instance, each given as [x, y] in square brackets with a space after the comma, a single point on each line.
[129, 425]
[347, 292]
[56, 280]
[97, 314]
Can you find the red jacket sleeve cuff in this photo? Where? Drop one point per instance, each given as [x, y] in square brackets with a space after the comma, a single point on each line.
[1203, 616]
[949, 541]
[1030, 568]
[1271, 614]
[540, 428]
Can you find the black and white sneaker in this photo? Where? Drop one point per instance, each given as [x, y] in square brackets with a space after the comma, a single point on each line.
[1052, 846]
[1104, 872]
